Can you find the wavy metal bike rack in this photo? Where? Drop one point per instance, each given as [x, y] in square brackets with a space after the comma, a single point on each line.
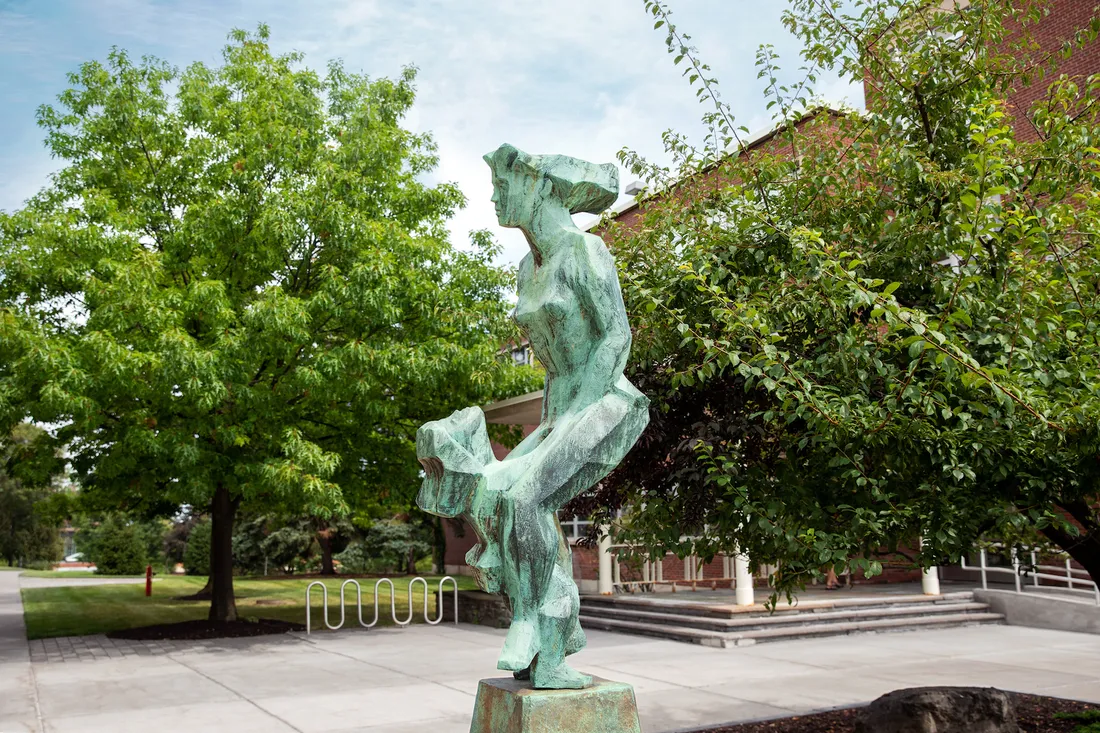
[393, 602]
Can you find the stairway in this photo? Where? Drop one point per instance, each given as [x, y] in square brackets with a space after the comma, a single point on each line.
[725, 625]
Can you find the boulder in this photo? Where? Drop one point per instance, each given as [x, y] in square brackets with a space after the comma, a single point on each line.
[940, 710]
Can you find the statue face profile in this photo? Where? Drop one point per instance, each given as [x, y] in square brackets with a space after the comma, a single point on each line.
[523, 184]
[507, 216]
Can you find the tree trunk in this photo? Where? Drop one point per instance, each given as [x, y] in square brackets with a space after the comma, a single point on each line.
[223, 509]
[410, 565]
[205, 594]
[324, 539]
[1085, 547]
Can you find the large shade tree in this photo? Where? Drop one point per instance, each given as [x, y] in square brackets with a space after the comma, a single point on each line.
[876, 326]
[239, 288]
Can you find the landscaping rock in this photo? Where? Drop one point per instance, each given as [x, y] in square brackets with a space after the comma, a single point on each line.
[940, 710]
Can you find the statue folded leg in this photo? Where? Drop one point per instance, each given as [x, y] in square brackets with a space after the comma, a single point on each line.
[581, 450]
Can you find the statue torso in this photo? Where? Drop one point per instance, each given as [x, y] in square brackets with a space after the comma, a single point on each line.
[552, 315]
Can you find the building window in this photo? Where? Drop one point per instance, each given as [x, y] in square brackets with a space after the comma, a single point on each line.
[574, 527]
[521, 356]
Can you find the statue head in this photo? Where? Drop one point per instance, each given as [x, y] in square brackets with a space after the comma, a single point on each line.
[522, 183]
[453, 451]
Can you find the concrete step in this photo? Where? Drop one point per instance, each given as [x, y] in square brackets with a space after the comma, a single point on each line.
[663, 604]
[762, 619]
[752, 636]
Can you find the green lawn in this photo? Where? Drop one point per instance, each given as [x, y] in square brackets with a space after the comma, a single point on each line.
[79, 610]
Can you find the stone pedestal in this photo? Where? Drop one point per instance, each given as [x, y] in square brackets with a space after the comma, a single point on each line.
[505, 705]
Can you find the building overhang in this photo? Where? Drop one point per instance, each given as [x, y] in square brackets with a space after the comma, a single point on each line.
[523, 410]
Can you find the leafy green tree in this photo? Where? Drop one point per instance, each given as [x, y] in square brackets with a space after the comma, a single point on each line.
[395, 545]
[333, 536]
[239, 288]
[175, 541]
[28, 521]
[118, 547]
[271, 541]
[875, 326]
[290, 546]
[196, 555]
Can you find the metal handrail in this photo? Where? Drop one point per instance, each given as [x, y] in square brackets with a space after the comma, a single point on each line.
[393, 602]
[1019, 570]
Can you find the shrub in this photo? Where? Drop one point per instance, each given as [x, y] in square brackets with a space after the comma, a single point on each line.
[289, 547]
[151, 532]
[357, 560]
[119, 549]
[175, 541]
[196, 557]
[386, 547]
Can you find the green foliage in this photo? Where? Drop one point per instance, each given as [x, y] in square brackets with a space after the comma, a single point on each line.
[277, 545]
[357, 560]
[39, 565]
[876, 325]
[117, 547]
[175, 541]
[387, 547]
[248, 552]
[240, 280]
[1089, 719]
[152, 534]
[196, 556]
[30, 508]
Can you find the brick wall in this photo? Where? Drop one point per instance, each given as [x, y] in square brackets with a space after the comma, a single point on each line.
[1065, 19]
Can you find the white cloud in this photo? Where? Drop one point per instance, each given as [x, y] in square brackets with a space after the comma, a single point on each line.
[577, 77]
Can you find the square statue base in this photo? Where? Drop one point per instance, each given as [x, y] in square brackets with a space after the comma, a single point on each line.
[505, 705]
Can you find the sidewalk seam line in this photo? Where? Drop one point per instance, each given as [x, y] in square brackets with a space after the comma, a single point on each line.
[37, 703]
[251, 702]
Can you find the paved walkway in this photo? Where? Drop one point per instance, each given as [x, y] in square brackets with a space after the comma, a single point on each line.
[18, 701]
[424, 678]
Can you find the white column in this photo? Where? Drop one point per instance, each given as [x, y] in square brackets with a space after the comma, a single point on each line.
[604, 584]
[743, 592]
[930, 579]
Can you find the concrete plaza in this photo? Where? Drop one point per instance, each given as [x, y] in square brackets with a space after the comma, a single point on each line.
[424, 678]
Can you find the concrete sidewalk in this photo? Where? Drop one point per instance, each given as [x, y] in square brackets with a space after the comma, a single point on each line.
[18, 701]
[424, 678]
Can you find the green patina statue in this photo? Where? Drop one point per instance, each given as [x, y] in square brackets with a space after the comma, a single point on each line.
[571, 309]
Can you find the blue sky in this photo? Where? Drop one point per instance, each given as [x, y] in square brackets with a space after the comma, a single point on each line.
[580, 77]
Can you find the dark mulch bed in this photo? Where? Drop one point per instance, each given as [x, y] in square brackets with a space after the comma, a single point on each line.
[207, 630]
[1035, 715]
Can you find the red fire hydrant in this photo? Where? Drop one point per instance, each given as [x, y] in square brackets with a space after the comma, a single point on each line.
[148, 580]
